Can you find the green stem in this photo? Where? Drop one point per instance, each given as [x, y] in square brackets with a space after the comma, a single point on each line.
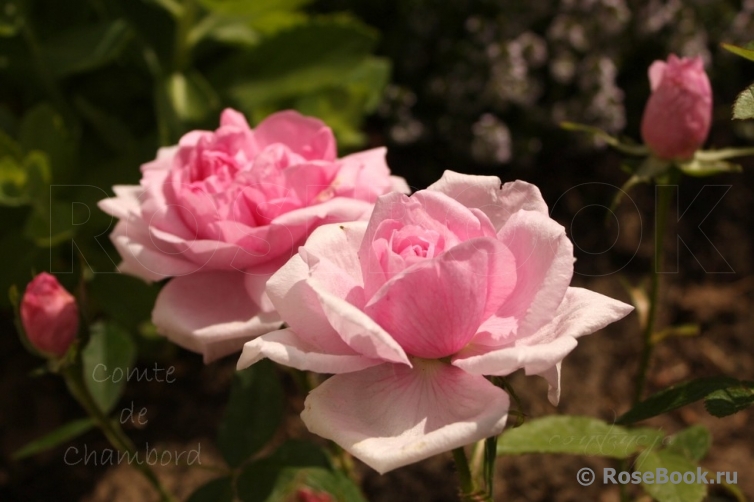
[664, 194]
[469, 491]
[182, 48]
[464, 473]
[110, 428]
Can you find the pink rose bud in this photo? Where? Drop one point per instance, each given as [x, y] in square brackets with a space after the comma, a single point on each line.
[49, 315]
[307, 495]
[679, 112]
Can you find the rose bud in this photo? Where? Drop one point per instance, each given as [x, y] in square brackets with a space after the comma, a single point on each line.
[307, 495]
[49, 315]
[678, 114]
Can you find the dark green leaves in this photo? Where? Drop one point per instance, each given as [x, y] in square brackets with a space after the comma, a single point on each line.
[217, 490]
[730, 400]
[577, 436]
[297, 61]
[725, 395]
[254, 412]
[106, 360]
[86, 48]
[293, 466]
[55, 438]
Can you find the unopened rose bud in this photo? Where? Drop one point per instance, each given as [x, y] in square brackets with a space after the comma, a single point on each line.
[678, 114]
[49, 315]
[307, 495]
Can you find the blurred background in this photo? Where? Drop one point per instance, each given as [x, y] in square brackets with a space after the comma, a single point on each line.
[89, 89]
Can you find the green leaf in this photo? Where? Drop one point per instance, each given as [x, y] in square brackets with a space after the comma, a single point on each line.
[43, 129]
[747, 53]
[86, 47]
[730, 400]
[277, 476]
[297, 61]
[668, 491]
[343, 108]
[127, 300]
[11, 19]
[631, 149]
[26, 182]
[191, 96]
[675, 397]
[50, 227]
[743, 108]
[251, 9]
[723, 153]
[10, 148]
[106, 360]
[224, 29]
[13, 181]
[254, 412]
[57, 437]
[576, 436]
[217, 490]
[684, 330]
[701, 168]
[692, 443]
[110, 129]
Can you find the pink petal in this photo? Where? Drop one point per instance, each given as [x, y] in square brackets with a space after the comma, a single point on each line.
[656, 73]
[299, 305]
[429, 210]
[357, 329]
[339, 245]
[125, 204]
[366, 175]
[486, 193]
[544, 266]
[210, 313]
[391, 415]
[552, 376]
[581, 312]
[306, 136]
[436, 306]
[142, 258]
[285, 347]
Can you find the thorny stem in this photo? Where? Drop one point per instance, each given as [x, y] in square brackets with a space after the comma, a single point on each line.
[664, 193]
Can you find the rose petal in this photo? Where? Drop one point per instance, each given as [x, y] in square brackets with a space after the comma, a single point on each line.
[210, 313]
[357, 329]
[142, 258]
[391, 415]
[431, 211]
[306, 136]
[435, 307]
[486, 193]
[544, 267]
[285, 347]
[299, 305]
[581, 312]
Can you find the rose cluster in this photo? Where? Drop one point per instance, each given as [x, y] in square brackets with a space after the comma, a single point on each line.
[410, 302]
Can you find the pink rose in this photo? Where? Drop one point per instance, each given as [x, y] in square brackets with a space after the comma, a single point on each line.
[678, 114]
[410, 311]
[223, 210]
[49, 315]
